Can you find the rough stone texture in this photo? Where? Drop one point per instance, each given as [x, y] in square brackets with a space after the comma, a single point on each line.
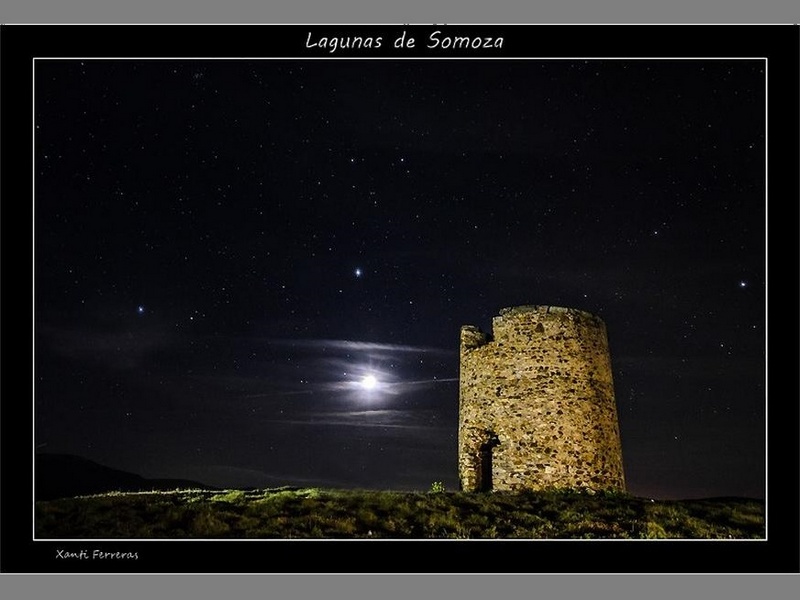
[537, 405]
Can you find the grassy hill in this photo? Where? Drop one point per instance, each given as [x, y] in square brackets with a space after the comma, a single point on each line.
[323, 513]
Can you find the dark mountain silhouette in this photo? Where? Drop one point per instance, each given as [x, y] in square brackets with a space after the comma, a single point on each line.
[65, 476]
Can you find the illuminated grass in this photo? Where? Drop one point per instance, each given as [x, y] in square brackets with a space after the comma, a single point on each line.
[320, 513]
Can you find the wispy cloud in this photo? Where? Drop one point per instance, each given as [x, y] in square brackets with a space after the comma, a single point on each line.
[382, 388]
[422, 417]
[419, 420]
[324, 345]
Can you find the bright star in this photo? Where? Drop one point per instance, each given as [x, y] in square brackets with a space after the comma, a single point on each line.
[369, 382]
[358, 272]
[742, 284]
[140, 309]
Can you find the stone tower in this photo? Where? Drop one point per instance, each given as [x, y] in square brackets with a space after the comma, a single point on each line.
[537, 405]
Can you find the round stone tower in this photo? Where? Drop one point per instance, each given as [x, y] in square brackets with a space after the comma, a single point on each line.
[537, 405]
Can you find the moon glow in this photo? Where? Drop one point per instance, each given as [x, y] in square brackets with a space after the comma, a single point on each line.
[369, 382]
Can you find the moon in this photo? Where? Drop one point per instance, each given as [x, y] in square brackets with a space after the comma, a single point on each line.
[369, 382]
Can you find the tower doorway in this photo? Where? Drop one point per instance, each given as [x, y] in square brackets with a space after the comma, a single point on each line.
[486, 462]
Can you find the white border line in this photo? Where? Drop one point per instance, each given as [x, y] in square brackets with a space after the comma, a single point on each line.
[766, 298]
[331, 56]
[528, 58]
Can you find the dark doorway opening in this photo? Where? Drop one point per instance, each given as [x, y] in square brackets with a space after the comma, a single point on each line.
[485, 482]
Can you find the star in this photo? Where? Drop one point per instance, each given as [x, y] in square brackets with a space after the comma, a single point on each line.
[140, 309]
[357, 272]
[742, 284]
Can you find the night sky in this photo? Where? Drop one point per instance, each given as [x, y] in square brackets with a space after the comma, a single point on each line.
[225, 250]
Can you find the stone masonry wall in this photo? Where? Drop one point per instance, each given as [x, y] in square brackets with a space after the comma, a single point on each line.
[537, 405]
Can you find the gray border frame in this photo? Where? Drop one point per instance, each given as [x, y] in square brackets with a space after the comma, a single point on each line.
[430, 11]
[548, 586]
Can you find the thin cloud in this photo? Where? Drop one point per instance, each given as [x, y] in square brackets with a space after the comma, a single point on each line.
[419, 420]
[324, 345]
[392, 388]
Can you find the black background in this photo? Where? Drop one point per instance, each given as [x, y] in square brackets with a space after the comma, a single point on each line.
[779, 553]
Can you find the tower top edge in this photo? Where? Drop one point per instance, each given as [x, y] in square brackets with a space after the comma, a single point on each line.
[544, 309]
